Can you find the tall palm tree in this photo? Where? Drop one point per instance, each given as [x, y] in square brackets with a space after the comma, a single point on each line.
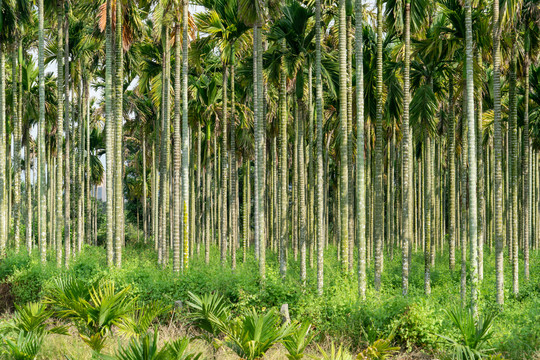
[378, 181]
[320, 170]
[185, 138]
[360, 167]
[471, 138]
[344, 172]
[110, 134]
[60, 134]
[118, 121]
[42, 201]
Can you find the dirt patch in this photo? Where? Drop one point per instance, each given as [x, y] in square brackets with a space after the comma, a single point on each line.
[6, 298]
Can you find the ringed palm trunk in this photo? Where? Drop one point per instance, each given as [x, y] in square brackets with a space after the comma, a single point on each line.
[118, 174]
[360, 158]
[109, 135]
[67, 152]
[525, 163]
[16, 67]
[378, 181]
[481, 179]
[283, 168]
[473, 214]
[301, 184]
[320, 170]
[452, 180]
[59, 132]
[497, 149]
[233, 168]
[177, 151]
[224, 169]
[88, 198]
[3, 178]
[344, 172]
[514, 186]
[185, 132]
[28, 181]
[428, 166]
[407, 178]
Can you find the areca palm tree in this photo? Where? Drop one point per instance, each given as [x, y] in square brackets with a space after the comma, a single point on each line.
[226, 30]
[497, 145]
[295, 37]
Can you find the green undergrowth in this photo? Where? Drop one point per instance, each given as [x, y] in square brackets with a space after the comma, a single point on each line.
[414, 321]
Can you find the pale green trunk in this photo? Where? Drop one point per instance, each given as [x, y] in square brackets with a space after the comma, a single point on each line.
[3, 178]
[59, 221]
[473, 214]
[497, 147]
[185, 137]
[343, 149]
[379, 137]
[118, 120]
[16, 67]
[407, 202]
[320, 184]
[109, 136]
[360, 157]
[177, 160]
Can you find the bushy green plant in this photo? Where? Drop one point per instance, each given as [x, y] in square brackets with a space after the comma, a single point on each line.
[147, 347]
[473, 335]
[138, 321]
[251, 335]
[22, 336]
[299, 337]
[334, 354]
[416, 327]
[93, 310]
[381, 349]
[209, 312]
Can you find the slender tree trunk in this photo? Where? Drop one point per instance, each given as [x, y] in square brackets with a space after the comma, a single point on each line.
[67, 147]
[407, 199]
[378, 181]
[224, 169]
[118, 119]
[109, 135]
[185, 131]
[473, 160]
[344, 172]
[514, 186]
[525, 163]
[177, 152]
[283, 169]
[480, 174]
[497, 147]
[16, 68]
[3, 134]
[320, 182]
[59, 221]
[426, 147]
[360, 157]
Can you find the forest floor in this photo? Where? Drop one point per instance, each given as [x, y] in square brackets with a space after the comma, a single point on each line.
[338, 316]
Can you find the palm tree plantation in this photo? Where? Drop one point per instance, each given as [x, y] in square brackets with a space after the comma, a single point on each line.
[269, 179]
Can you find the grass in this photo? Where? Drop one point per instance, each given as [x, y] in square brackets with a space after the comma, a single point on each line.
[337, 316]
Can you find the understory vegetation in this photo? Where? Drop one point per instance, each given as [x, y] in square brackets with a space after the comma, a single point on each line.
[415, 323]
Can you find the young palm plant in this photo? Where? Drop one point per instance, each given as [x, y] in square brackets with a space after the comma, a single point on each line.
[251, 335]
[147, 348]
[474, 335]
[334, 354]
[297, 340]
[93, 310]
[211, 314]
[22, 336]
